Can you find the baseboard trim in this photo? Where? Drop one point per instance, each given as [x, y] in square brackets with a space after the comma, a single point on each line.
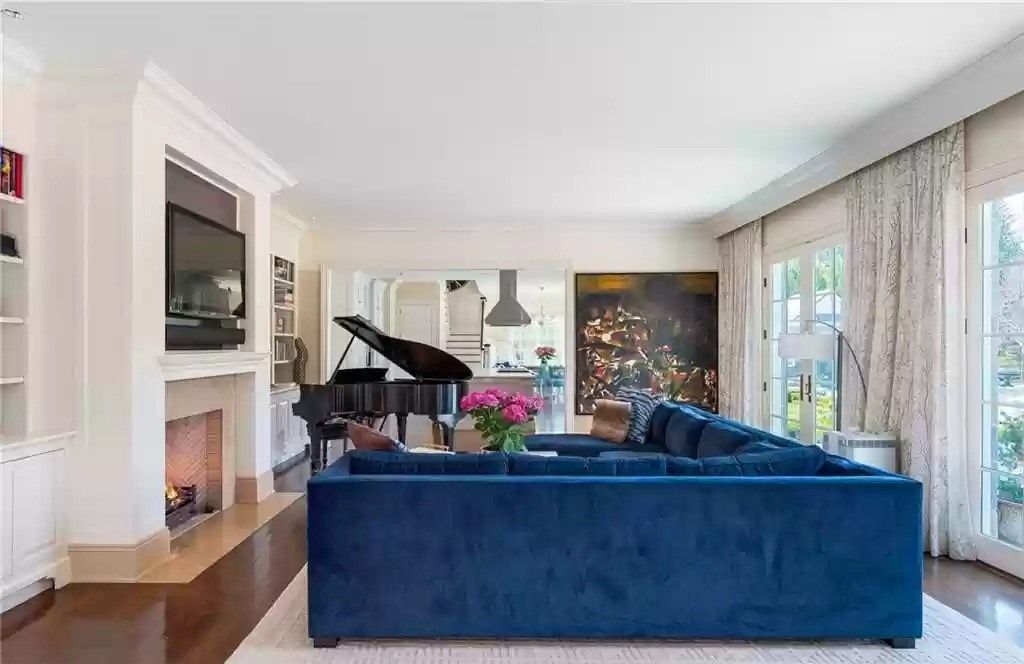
[291, 462]
[55, 574]
[118, 563]
[254, 489]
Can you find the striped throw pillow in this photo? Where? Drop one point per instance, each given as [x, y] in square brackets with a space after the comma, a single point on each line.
[642, 405]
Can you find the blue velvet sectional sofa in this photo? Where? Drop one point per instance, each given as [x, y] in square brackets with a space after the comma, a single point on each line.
[636, 544]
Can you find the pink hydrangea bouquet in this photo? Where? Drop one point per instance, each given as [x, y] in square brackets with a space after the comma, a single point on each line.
[499, 416]
[545, 353]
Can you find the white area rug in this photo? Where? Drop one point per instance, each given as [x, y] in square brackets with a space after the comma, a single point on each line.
[949, 637]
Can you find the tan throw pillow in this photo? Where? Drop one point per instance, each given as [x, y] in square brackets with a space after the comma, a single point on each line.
[365, 438]
[611, 420]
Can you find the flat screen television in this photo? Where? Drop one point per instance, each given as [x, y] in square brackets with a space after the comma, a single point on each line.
[205, 267]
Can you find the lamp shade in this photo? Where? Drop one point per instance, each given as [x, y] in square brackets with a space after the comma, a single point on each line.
[807, 346]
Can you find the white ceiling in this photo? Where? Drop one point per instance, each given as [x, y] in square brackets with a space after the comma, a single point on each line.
[460, 115]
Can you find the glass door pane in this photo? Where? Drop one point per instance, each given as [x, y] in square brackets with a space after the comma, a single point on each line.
[786, 375]
[804, 296]
[1001, 458]
[828, 275]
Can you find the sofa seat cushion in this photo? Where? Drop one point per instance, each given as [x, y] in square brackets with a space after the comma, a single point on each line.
[533, 464]
[780, 462]
[578, 444]
[633, 454]
[791, 462]
[403, 463]
[721, 439]
[649, 465]
[684, 431]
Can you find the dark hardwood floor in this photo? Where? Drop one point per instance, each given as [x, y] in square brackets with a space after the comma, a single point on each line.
[202, 622]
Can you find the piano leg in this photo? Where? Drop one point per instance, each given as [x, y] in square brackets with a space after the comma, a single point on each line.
[447, 432]
[315, 448]
[402, 419]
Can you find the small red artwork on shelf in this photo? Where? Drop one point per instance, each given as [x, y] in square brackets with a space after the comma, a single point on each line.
[12, 170]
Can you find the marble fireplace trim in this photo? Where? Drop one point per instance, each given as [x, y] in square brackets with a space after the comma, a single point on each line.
[186, 398]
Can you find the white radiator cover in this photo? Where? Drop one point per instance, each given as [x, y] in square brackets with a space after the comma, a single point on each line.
[880, 450]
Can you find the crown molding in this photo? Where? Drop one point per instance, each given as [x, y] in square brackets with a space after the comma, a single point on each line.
[289, 218]
[985, 82]
[158, 89]
[19, 64]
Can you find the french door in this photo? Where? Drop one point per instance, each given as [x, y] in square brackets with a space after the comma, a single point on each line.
[803, 290]
[995, 364]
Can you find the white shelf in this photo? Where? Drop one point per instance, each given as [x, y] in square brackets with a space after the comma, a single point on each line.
[11, 320]
[11, 200]
[284, 334]
[13, 380]
[283, 361]
[285, 307]
[11, 259]
[283, 281]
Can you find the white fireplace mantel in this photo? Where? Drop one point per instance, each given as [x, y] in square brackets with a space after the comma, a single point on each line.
[210, 363]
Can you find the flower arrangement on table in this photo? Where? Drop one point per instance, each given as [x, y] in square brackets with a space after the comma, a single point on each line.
[545, 353]
[499, 416]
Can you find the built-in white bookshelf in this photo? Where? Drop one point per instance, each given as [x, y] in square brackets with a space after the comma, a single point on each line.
[14, 317]
[283, 319]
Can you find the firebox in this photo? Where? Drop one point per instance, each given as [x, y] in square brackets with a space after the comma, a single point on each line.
[193, 467]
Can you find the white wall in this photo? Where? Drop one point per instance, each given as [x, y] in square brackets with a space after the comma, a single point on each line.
[625, 249]
[995, 137]
[108, 137]
[811, 218]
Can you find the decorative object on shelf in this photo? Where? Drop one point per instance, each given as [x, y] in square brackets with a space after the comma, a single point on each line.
[12, 169]
[499, 416]
[299, 363]
[653, 331]
[9, 245]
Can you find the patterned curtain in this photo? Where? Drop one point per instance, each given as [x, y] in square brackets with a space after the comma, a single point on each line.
[739, 324]
[903, 213]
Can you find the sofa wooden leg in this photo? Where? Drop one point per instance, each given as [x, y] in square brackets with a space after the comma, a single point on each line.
[902, 644]
[320, 642]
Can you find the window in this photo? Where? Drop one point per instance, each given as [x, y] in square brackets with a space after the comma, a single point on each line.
[996, 367]
[804, 289]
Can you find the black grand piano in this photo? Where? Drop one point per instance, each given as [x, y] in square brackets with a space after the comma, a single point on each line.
[438, 382]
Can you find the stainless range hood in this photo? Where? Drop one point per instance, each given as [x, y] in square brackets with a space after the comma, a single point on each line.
[507, 312]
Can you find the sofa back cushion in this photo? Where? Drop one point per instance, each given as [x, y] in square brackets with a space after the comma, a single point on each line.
[683, 433]
[721, 439]
[793, 462]
[406, 463]
[663, 412]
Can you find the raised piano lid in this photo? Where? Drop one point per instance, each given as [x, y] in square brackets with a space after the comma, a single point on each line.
[420, 361]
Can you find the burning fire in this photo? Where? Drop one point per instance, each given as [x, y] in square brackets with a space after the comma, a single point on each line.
[170, 493]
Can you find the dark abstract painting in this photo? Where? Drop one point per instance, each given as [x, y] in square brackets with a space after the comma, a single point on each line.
[655, 331]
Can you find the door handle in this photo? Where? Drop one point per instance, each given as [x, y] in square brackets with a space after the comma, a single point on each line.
[809, 377]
